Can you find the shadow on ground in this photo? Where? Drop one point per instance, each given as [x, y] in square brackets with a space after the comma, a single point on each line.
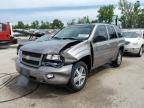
[10, 90]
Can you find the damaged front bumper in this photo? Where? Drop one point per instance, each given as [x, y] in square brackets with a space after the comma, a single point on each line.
[60, 76]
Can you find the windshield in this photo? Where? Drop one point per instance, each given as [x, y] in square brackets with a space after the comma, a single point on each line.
[43, 38]
[131, 34]
[75, 32]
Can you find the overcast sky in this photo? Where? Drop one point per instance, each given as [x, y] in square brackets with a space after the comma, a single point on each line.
[7, 4]
[48, 10]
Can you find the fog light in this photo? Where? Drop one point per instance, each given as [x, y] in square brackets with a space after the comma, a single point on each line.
[49, 76]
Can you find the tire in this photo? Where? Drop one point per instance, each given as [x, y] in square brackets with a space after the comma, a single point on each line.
[140, 52]
[78, 77]
[118, 60]
[15, 41]
[4, 47]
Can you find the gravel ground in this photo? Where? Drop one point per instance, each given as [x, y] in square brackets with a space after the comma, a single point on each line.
[107, 87]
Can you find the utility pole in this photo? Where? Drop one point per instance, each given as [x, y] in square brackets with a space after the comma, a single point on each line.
[116, 20]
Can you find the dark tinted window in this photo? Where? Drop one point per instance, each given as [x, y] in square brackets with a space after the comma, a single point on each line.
[119, 32]
[2, 27]
[101, 34]
[112, 32]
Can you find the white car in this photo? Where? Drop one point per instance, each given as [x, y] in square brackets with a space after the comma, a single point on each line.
[134, 41]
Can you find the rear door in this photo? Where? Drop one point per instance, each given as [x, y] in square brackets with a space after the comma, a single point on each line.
[113, 41]
[101, 46]
[143, 37]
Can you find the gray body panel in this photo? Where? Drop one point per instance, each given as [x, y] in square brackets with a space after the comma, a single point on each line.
[62, 75]
[102, 53]
[77, 52]
[47, 47]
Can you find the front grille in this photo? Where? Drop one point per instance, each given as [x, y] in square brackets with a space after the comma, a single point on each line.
[31, 54]
[31, 59]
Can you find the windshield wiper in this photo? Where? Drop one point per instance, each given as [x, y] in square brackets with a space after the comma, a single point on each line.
[70, 38]
[57, 38]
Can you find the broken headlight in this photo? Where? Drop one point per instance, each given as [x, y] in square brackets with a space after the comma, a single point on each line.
[54, 60]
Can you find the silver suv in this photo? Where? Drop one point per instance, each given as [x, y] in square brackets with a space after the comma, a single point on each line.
[69, 56]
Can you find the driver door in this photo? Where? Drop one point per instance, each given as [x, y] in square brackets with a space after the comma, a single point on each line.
[101, 46]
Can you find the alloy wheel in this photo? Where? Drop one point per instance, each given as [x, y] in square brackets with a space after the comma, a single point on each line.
[79, 76]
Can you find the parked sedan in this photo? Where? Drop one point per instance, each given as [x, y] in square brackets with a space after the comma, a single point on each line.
[134, 42]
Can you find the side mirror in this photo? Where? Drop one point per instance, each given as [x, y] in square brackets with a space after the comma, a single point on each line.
[99, 39]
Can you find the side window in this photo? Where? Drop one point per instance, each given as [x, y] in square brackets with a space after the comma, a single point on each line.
[119, 32]
[2, 27]
[101, 34]
[112, 32]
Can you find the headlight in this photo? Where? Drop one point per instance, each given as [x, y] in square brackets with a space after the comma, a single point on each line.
[53, 57]
[54, 60]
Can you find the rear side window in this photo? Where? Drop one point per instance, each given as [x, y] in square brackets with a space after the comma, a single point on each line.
[2, 27]
[119, 32]
[112, 32]
[101, 34]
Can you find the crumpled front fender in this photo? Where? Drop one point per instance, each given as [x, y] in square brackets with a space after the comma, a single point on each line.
[77, 52]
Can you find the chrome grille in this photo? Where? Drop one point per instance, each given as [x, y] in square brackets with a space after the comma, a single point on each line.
[31, 59]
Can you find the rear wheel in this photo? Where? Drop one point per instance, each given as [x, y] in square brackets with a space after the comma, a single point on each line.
[118, 60]
[78, 77]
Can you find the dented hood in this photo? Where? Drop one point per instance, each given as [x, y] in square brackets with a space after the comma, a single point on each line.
[48, 47]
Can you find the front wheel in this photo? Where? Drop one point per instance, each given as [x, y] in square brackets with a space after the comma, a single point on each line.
[140, 52]
[78, 77]
[118, 60]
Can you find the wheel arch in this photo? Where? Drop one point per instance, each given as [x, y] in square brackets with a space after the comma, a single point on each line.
[121, 48]
[88, 61]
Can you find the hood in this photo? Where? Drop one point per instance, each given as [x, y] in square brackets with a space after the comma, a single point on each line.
[132, 40]
[48, 47]
[25, 43]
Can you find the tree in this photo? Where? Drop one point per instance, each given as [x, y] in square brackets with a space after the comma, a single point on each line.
[130, 13]
[106, 14]
[72, 22]
[44, 25]
[140, 20]
[35, 24]
[27, 26]
[84, 20]
[57, 24]
[19, 25]
[94, 21]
